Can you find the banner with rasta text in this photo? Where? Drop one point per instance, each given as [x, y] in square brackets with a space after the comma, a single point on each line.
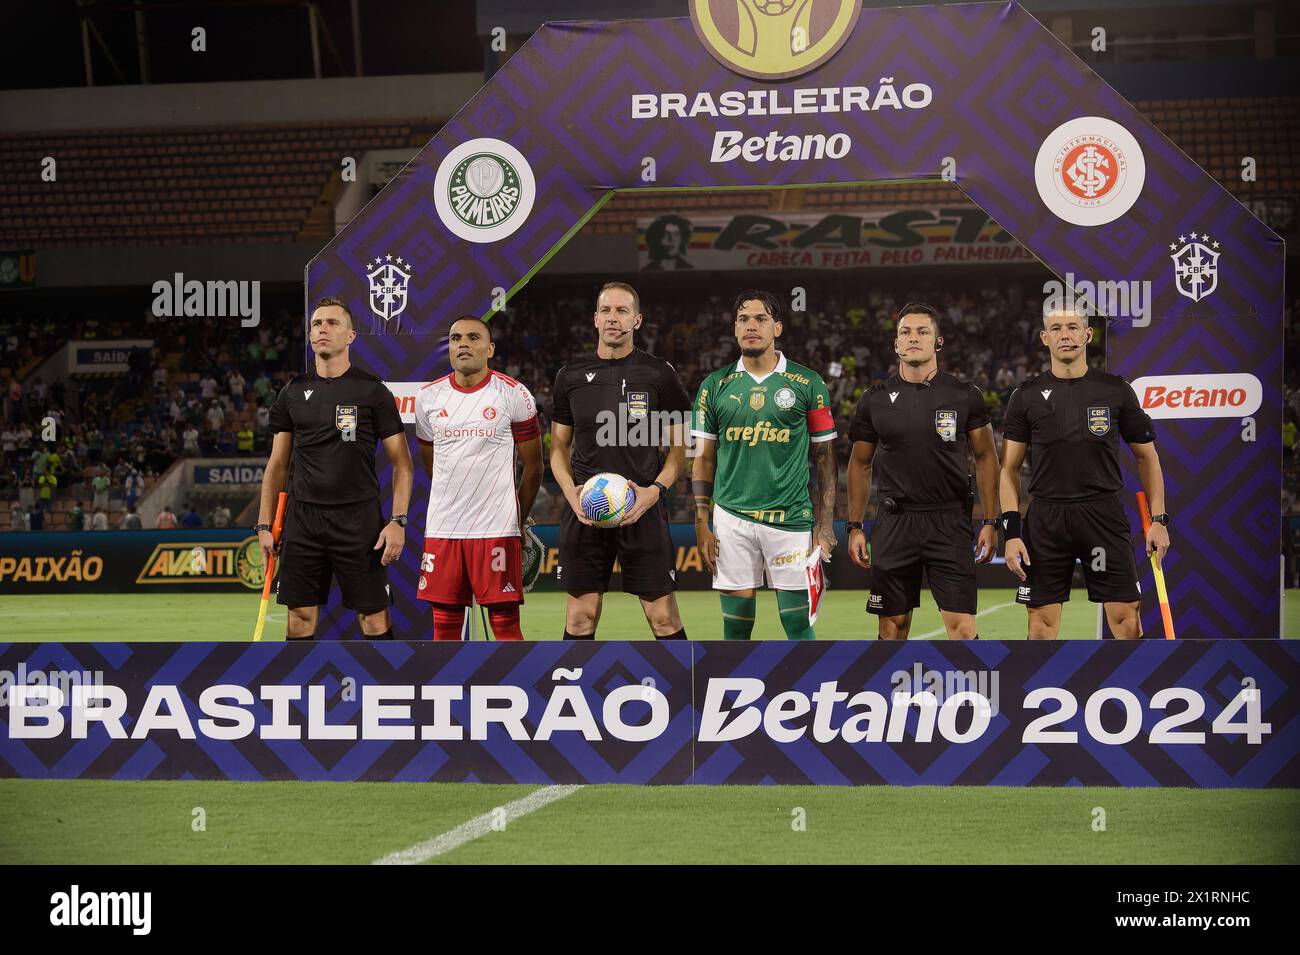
[839, 240]
[1095, 713]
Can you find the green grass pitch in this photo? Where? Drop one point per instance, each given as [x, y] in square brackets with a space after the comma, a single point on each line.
[149, 617]
[105, 821]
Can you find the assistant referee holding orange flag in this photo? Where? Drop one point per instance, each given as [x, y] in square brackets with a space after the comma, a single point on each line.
[326, 423]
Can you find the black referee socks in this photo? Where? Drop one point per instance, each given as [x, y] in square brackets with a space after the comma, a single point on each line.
[386, 635]
[579, 636]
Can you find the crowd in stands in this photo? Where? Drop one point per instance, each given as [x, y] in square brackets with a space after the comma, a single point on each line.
[206, 389]
[82, 452]
[990, 335]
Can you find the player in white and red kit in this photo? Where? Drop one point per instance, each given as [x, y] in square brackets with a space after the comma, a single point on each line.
[470, 424]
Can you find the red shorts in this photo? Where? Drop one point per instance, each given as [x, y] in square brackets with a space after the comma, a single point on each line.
[489, 569]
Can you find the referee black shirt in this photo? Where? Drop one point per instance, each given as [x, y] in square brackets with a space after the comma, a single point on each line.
[611, 404]
[919, 431]
[327, 469]
[1073, 427]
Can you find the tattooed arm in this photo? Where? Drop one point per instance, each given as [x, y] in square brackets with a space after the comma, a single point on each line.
[824, 505]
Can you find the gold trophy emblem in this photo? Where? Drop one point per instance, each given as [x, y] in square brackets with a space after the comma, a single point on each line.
[773, 39]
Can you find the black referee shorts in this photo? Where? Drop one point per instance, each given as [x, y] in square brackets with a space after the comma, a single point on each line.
[1097, 534]
[644, 551]
[903, 544]
[323, 542]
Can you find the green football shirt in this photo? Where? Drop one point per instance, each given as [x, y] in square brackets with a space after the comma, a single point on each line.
[763, 427]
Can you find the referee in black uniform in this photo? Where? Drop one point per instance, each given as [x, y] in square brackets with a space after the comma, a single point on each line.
[608, 414]
[915, 429]
[1071, 419]
[327, 421]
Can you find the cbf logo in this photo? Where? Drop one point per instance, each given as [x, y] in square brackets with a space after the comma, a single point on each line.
[945, 425]
[1196, 265]
[1099, 421]
[484, 190]
[388, 282]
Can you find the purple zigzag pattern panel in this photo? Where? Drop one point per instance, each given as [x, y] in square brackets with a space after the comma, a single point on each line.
[1001, 83]
[340, 673]
[785, 679]
[1054, 714]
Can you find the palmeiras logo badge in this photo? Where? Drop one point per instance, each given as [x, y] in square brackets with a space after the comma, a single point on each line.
[345, 417]
[1196, 265]
[785, 399]
[773, 39]
[249, 566]
[484, 190]
[945, 425]
[1099, 421]
[388, 279]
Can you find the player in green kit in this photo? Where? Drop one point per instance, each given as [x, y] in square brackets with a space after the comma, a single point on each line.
[754, 423]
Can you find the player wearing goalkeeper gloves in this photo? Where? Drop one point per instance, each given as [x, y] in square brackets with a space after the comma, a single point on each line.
[755, 421]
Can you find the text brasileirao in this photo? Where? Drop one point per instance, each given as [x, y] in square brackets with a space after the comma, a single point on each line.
[775, 146]
[733, 708]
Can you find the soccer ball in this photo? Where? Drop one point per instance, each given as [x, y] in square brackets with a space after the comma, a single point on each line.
[606, 499]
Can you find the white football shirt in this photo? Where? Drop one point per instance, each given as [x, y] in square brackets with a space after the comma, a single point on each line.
[473, 434]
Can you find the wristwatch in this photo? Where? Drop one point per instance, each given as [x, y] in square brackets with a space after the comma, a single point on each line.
[853, 525]
[989, 522]
[663, 491]
[398, 519]
[258, 528]
[1161, 519]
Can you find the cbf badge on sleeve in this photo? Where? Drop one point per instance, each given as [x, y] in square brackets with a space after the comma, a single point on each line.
[945, 423]
[345, 417]
[1099, 421]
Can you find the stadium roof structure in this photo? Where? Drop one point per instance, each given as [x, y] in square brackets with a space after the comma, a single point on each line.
[981, 94]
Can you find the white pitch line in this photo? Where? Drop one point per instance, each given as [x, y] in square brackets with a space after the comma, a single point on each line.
[942, 630]
[476, 827]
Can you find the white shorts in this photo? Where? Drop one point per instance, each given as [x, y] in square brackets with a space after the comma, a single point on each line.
[748, 552]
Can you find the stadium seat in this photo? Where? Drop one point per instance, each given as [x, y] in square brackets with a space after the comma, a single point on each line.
[134, 166]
